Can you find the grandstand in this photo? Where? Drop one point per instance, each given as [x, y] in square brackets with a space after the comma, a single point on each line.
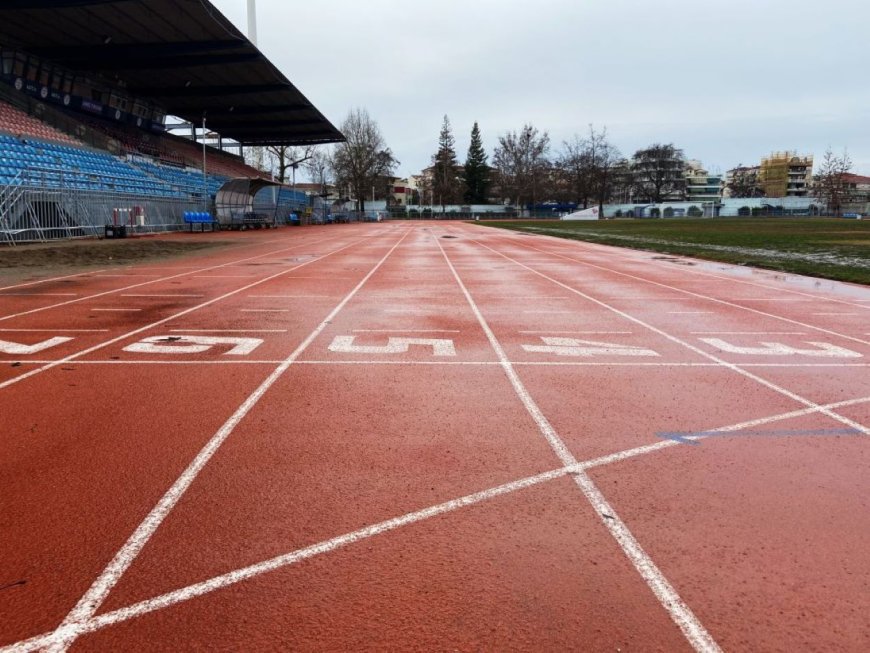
[85, 88]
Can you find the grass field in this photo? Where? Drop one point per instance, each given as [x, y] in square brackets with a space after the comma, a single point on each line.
[819, 247]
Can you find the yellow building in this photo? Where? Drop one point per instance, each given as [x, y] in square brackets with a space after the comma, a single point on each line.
[785, 174]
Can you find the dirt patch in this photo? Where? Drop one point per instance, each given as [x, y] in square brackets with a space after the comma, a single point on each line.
[845, 242]
[71, 256]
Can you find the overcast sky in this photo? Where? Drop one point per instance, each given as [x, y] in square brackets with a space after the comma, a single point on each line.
[727, 81]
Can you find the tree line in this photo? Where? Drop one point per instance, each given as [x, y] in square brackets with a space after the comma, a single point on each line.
[586, 170]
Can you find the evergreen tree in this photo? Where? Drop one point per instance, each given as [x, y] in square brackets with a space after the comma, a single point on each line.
[445, 169]
[476, 170]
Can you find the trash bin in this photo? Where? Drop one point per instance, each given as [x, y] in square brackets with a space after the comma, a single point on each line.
[116, 231]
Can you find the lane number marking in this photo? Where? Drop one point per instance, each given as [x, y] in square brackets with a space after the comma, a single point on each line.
[824, 349]
[574, 347]
[8, 347]
[193, 345]
[345, 345]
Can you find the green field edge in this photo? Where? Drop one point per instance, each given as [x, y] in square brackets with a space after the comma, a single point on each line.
[697, 250]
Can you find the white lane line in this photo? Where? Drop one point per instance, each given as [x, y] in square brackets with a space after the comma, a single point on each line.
[264, 310]
[93, 624]
[273, 564]
[768, 299]
[665, 444]
[290, 296]
[161, 296]
[406, 331]
[705, 297]
[159, 362]
[747, 333]
[681, 614]
[36, 283]
[507, 298]
[175, 268]
[584, 333]
[39, 294]
[170, 318]
[116, 310]
[690, 270]
[148, 283]
[425, 363]
[731, 366]
[91, 601]
[228, 330]
[54, 330]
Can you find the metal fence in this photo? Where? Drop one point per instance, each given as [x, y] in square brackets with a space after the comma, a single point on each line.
[42, 204]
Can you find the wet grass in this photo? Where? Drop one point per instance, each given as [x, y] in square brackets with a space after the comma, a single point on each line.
[829, 248]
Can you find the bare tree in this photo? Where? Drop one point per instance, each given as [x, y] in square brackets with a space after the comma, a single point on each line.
[319, 167]
[603, 159]
[521, 162]
[743, 182]
[363, 160]
[283, 158]
[572, 165]
[832, 186]
[658, 172]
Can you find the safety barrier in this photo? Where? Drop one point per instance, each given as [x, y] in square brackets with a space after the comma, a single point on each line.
[41, 204]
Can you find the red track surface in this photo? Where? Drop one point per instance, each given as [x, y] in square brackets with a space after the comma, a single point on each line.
[326, 489]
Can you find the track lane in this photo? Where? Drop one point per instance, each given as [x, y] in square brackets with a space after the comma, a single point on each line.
[497, 576]
[92, 599]
[642, 271]
[698, 553]
[788, 287]
[83, 467]
[102, 285]
[385, 474]
[359, 606]
[119, 319]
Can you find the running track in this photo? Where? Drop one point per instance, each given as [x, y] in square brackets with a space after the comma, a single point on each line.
[433, 436]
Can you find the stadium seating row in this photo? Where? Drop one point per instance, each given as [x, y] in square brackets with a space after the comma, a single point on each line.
[50, 158]
[19, 123]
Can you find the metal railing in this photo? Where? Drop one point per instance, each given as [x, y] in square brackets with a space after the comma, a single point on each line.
[42, 204]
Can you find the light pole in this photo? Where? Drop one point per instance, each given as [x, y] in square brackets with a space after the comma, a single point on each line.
[293, 166]
[252, 21]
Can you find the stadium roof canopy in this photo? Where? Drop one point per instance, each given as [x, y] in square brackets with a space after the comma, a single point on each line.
[183, 54]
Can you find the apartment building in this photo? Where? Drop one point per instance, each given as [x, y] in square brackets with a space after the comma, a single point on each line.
[701, 185]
